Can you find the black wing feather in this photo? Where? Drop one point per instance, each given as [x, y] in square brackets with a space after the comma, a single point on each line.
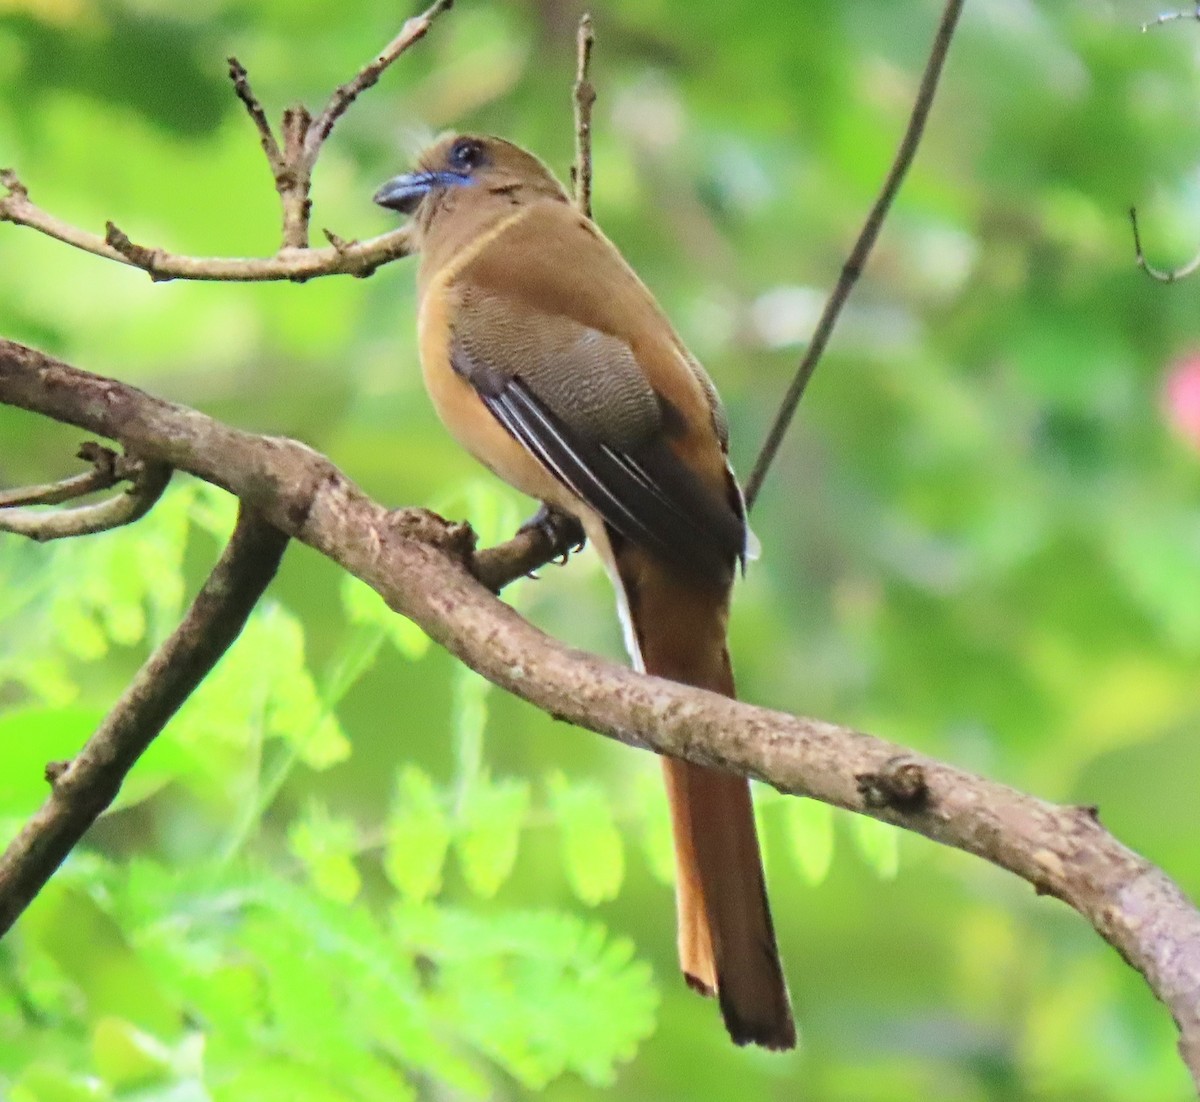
[645, 493]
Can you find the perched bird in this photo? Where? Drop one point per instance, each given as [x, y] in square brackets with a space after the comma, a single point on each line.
[549, 360]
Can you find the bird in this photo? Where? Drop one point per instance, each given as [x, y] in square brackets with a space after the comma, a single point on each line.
[549, 360]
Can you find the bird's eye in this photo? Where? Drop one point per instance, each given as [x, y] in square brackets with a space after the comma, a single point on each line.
[466, 154]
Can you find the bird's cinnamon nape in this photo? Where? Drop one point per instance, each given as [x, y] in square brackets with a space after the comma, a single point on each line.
[726, 936]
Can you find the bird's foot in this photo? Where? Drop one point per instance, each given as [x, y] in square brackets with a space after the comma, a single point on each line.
[563, 531]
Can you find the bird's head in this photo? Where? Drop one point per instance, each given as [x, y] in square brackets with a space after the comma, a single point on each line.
[463, 165]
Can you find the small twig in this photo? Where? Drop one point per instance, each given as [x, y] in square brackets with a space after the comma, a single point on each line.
[584, 98]
[241, 88]
[107, 470]
[149, 480]
[1170, 17]
[84, 787]
[1163, 275]
[413, 31]
[292, 166]
[12, 184]
[138, 255]
[853, 267]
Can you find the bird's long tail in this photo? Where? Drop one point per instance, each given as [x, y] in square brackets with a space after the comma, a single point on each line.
[726, 938]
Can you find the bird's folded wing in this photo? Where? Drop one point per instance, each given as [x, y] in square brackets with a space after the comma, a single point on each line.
[578, 401]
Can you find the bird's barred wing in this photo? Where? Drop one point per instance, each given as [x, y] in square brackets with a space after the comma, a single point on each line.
[577, 400]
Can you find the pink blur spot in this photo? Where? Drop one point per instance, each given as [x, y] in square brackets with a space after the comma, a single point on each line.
[1181, 398]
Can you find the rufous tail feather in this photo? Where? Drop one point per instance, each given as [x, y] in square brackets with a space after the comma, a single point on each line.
[726, 937]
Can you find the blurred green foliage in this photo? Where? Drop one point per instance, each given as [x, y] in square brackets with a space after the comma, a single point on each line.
[349, 870]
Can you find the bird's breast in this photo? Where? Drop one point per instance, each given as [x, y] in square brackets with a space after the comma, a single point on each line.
[462, 411]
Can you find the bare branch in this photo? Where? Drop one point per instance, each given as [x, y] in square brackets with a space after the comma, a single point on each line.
[356, 258]
[107, 470]
[303, 136]
[584, 98]
[1061, 851]
[291, 169]
[82, 788]
[857, 260]
[241, 88]
[1170, 17]
[149, 480]
[1163, 275]
[412, 32]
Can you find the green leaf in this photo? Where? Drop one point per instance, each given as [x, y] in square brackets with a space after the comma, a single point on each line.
[541, 993]
[122, 584]
[326, 844]
[489, 830]
[593, 856]
[878, 844]
[315, 955]
[810, 832]
[469, 715]
[126, 1056]
[295, 710]
[41, 1082]
[260, 687]
[418, 836]
[67, 924]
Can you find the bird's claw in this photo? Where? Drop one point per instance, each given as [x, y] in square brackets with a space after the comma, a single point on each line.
[560, 529]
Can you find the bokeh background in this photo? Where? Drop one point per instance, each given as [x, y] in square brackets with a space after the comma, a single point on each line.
[350, 871]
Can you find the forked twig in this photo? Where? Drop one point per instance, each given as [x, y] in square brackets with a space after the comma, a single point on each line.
[107, 470]
[356, 258]
[291, 167]
[148, 481]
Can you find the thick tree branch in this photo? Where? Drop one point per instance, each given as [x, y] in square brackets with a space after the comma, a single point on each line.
[82, 788]
[1061, 851]
[857, 260]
